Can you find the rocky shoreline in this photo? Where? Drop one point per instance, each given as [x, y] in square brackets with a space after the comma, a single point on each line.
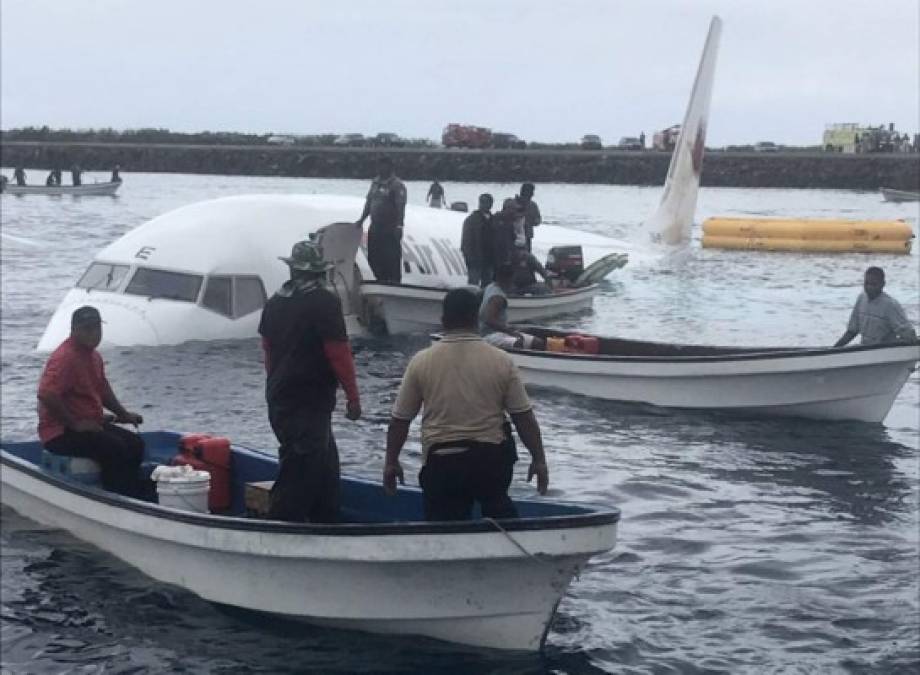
[721, 169]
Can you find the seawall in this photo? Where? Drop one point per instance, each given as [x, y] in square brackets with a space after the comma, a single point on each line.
[724, 169]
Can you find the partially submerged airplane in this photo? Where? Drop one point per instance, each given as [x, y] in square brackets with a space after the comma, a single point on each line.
[202, 272]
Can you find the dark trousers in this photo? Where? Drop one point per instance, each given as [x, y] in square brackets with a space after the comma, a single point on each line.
[453, 481]
[118, 451]
[478, 273]
[307, 487]
[384, 253]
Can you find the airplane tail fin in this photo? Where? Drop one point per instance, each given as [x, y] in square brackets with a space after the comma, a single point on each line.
[672, 222]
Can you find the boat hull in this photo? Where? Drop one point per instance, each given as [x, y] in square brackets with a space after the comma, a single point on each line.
[477, 588]
[417, 309]
[891, 195]
[839, 384]
[88, 189]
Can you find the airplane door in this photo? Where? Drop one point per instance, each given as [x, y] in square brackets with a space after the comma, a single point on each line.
[340, 242]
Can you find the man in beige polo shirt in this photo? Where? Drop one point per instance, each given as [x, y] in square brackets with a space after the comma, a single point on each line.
[465, 387]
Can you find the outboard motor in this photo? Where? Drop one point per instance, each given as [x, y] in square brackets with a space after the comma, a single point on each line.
[566, 261]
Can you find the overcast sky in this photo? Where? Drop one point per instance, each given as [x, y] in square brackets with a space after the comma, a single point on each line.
[547, 70]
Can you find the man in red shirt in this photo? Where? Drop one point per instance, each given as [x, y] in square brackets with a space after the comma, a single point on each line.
[71, 396]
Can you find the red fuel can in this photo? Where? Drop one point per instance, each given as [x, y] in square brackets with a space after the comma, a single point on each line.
[211, 454]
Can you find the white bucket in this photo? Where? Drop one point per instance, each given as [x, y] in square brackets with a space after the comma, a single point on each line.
[182, 487]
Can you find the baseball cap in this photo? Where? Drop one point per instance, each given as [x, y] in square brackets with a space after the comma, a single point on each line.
[85, 316]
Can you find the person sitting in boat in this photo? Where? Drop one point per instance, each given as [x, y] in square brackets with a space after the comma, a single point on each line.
[307, 354]
[526, 267]
[19, 175]
[72, 393]
[435, 196]
[465, 387]
[493, 315]
[75, 172]
[877, 317]
[57, 176]
[49, 181]
[116, 176]
[477, 228]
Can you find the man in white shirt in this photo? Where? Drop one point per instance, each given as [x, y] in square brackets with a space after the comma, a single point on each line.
[877, 316]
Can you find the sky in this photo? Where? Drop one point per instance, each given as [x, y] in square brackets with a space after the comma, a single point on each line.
[546, 70]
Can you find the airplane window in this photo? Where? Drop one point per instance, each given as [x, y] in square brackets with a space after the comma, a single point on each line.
[103, 277]
[163, 284]
[248, 295]
[217, 295]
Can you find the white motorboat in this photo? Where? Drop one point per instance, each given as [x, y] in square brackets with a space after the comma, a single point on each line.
[86, 189]
[850, 383]
[383, 569]
[417, 309]
[202, 271]
[892, 195]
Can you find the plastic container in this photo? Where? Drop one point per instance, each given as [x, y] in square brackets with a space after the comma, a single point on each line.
[182, 487]
[210, 454]
[81, 469]
[555, 344]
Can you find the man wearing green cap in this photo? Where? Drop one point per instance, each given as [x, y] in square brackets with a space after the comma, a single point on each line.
[307, 354]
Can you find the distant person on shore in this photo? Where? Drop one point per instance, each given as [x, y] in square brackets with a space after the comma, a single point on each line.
[531, 211]
[386, 205]
[19, 175]
[877, 316]
[58, 177]
[75, 172]
[116, 176]
[436, 195]
[72, 395]
[475, 243]
[642, 139]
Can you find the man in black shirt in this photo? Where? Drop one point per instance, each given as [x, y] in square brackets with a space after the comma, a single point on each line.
[386, 205]
[476, 243]
[307, 354]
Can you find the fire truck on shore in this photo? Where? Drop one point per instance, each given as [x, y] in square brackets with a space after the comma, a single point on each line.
[466, 136]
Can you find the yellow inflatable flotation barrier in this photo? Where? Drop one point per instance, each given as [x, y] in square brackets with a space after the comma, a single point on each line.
[804, 234]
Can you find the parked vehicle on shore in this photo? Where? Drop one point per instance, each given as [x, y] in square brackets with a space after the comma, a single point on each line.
[666, 139]
[350, 141]
[629, 143]
[466, 136]
[766, 146]
[387, 140]
[591, 142]
[503, 141]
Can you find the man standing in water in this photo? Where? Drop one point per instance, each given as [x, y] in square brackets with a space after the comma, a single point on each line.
[465, 387]
[307, 354]
[386, 205]
[71, 396]
[877, 316]
[436, 195]
[531, 211]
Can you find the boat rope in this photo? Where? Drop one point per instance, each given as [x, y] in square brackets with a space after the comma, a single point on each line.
[514, 541]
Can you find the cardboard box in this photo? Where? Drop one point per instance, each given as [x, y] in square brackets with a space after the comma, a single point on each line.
[257, 498]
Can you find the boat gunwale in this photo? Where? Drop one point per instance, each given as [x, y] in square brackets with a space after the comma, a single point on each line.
[564, 293]
[61, 189]
[732, 354]
[600, 515]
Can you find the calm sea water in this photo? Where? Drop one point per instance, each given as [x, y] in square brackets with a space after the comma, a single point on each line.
[754, 546]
